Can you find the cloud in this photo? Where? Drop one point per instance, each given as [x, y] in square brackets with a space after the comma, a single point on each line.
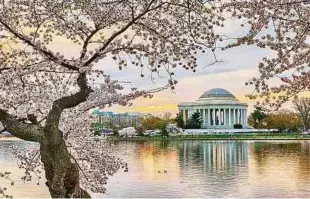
[190, 89]
[238, 66]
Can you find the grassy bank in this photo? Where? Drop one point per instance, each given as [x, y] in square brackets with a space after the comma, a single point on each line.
[219, 137]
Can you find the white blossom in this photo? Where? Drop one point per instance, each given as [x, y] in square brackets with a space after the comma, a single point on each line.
[127, 132]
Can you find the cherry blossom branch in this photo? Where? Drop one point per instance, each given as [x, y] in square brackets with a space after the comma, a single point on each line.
[86, 42]
[294, 2]
[49, 54]
[63, 103]
[110, 40]
[79, 167]
[3, 130]
[6, 176]
[3, 69]
[28, 132]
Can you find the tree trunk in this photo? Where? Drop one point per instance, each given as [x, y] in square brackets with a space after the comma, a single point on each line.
[61, 173]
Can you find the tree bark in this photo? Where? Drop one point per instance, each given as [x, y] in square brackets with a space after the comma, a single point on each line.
[61, 173]
[28, 132]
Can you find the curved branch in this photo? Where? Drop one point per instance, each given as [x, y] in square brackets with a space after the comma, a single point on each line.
[28, 132]
[52, 120]
[115, 35]
[90, 36]
[3, 130]
[44, 52]
[86, 42]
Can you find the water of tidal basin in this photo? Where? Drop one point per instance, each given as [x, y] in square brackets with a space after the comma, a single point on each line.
[197, 169]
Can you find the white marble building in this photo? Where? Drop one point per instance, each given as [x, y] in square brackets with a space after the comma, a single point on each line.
[219, 109]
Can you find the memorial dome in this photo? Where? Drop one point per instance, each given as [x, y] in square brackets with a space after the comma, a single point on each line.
[217, 92]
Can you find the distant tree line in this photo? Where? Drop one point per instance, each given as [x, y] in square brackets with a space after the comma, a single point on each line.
[286, 121]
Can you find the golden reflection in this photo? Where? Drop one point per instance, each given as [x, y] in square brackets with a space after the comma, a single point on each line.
[280, 166]
[157, 163]
[23, 189]
[223, 155]
[200, 169]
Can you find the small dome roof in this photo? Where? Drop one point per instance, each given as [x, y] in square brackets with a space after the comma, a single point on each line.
[217, 92]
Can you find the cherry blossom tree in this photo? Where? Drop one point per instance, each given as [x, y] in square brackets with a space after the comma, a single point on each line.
[283, 27]
[302, 106]
[45, 92]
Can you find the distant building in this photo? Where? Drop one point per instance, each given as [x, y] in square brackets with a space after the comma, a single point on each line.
[109, 119]
[218, 108]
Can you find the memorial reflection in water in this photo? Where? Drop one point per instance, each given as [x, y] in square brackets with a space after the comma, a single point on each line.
[215, 169]
[215, 155]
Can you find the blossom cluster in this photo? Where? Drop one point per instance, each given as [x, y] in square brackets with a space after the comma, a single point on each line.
[127, 132]
[96, 161]
[283, 28]
[5, 176]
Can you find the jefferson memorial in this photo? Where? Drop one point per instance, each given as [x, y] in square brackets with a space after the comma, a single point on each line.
[219, 109]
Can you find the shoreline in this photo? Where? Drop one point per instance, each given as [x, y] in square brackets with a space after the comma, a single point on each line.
[215, 138]
[10, 138]
[206, 138]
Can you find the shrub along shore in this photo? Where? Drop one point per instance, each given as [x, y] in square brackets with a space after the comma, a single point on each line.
[261, 136]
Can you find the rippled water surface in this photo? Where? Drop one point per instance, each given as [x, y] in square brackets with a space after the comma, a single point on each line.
[196, 169]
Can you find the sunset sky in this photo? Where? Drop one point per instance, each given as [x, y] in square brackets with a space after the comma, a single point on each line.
[237, 67]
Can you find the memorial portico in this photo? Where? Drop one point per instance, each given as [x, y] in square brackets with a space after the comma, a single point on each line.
[218, 109]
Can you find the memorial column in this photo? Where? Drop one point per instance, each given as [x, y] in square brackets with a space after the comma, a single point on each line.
[213, 116]
[229, 117]
[225, 120]
[238, 116]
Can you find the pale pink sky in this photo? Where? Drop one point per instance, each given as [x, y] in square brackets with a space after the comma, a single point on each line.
[239, 65]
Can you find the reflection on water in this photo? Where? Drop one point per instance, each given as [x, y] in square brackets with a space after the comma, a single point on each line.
[219, 166]
[203, 169]
[284, 168]
[213, 155]
[8, 163]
